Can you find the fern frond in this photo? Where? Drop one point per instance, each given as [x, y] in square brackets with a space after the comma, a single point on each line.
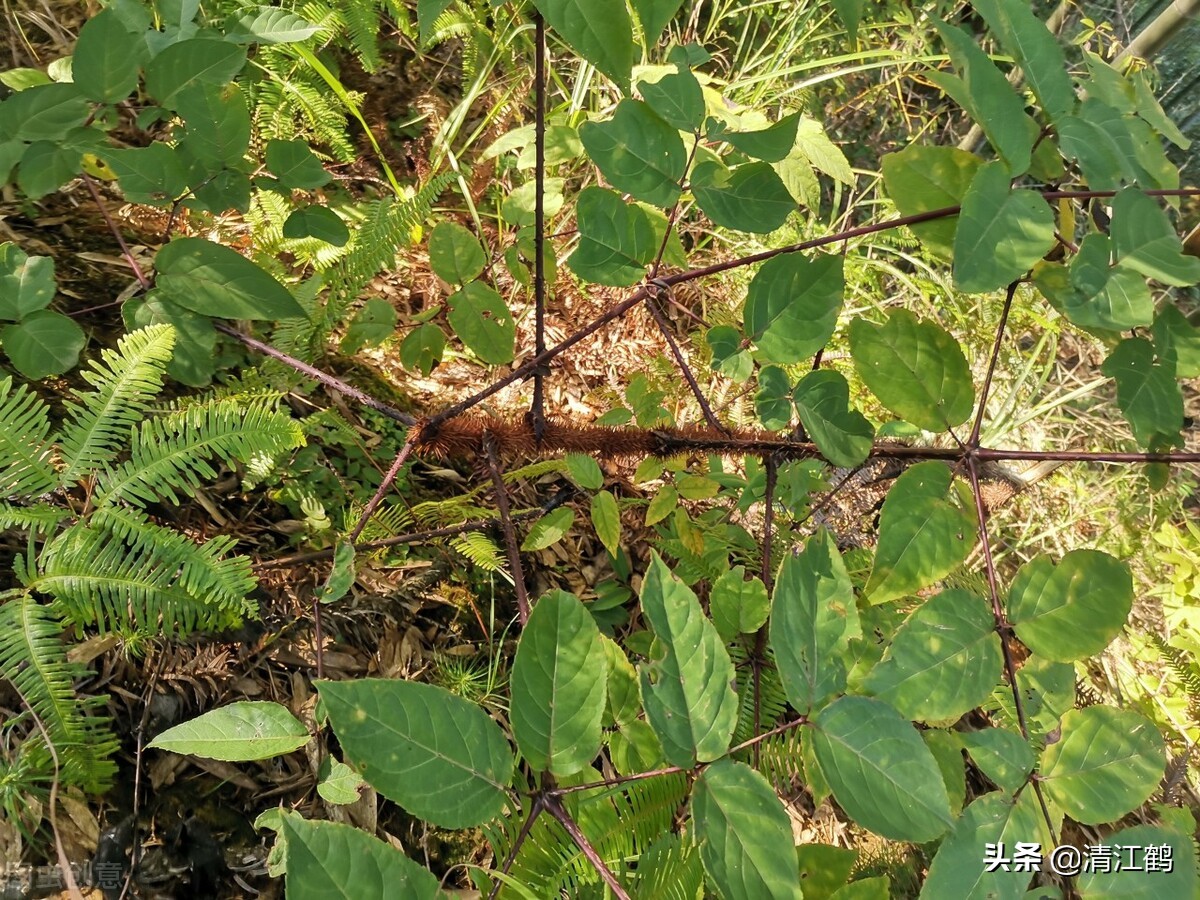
[125, 574]
[480, 550]
[26, 469]
[34, 660]
[362, 27]
[40, 517]
[535, 470]
[670, 870]
[126, 380]
[772, 701]
[385, 522]
[170, 454]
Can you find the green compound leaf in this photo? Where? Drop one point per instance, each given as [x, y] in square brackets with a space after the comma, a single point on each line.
[1146, 242]
[744, 833]
[598, 30]
[26, 283]
[923, 534]
[984, 92]
[1073, 610]
[455, 253]
[915, 368]
[655, 15]
[219, 282]
[295, 165]
[792, 306]
[436, 754]
[944, 660]
[43, 343]
[677, 97]
[1001, 232]
[558, 681]
[687, 693]
[880, 771]
[843, 435]
[481, 319]
[957, 869]
[1003, 756]
[1172, 875]
[239, 732]
[738, 606]
[921, 179]
[1147, 390]
[769, 144]
[638, 153]
[318, 222]
[773, 400]
[1108, 762]
[189, 63]
[606, 519]
[1036, 50]
[107, 58]
[750, 197]
[813, 617]
[616, 239]
[326, 859]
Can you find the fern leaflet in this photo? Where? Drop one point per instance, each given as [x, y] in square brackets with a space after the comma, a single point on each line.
[25, 467]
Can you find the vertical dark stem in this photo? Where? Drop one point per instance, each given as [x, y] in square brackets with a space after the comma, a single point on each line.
[141, 276]
[555, 808]
[681, 361]
[318, 637]
[973, 440]
[539, 226]
[760, 639]
[385, 485]
[539, 804]
[510, 533]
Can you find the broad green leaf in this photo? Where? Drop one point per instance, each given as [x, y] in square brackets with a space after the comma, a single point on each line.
[197, 61]
[792, 306]
[598, 30]
[421, 350]
[1002, 755]
[662, 505]
[43, 343]
[107, 58]
[193, 361]
[769, 144]
[921, 179]
[216, 281]
[943, 662]
[814, 145]
[880, 771]
[240, 732]
[624, 705]
[637, 152]
[813, 615]
[295, 165]
[270, 25]
[22, 77]
[655, 15]
[958, 869]
[687, 693]
[1178, 340]
[947, 748]
[843, 435]
[850, 12]
[915, 368]
[728, 357]
[877, 887]
[218, 123]
[26, 283]
[1147, 390]
[616, 239]
[427, 14]
[1047, 691]
[341, 574]
[10, 154]
[45, 112]
[1001, 232]
[154, 174]
[1155, 863]
[227, 189]
[520, 207]
[558, 680]
[455, 253]
[549, 529]
[989, 98]
[562, 146]
[923, 533]
[482, 321]
[744, 833]
[824, 869]
[327, 859]
[773, 400]
[1148, 108]
[1036, 50]
[45, 167]
[1145, 241]
[1099, 296]
[750, 197]
[606, 519]
[1107, 763]
[584, 471]
[437, 755]
[318, 222]
[677, 97]
[1074, 609]
[339, 784]
[737, 605]
[1096, 151]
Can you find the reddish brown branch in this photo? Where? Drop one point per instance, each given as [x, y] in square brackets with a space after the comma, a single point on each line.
[506, 524]
[554, 806]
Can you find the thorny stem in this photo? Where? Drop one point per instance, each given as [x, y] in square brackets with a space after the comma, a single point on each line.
[682, 362]
[510, 533]
[384, 486]
[539, 804]
[760, 638]
[973, 440]
[554, 806]
[539, 234]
